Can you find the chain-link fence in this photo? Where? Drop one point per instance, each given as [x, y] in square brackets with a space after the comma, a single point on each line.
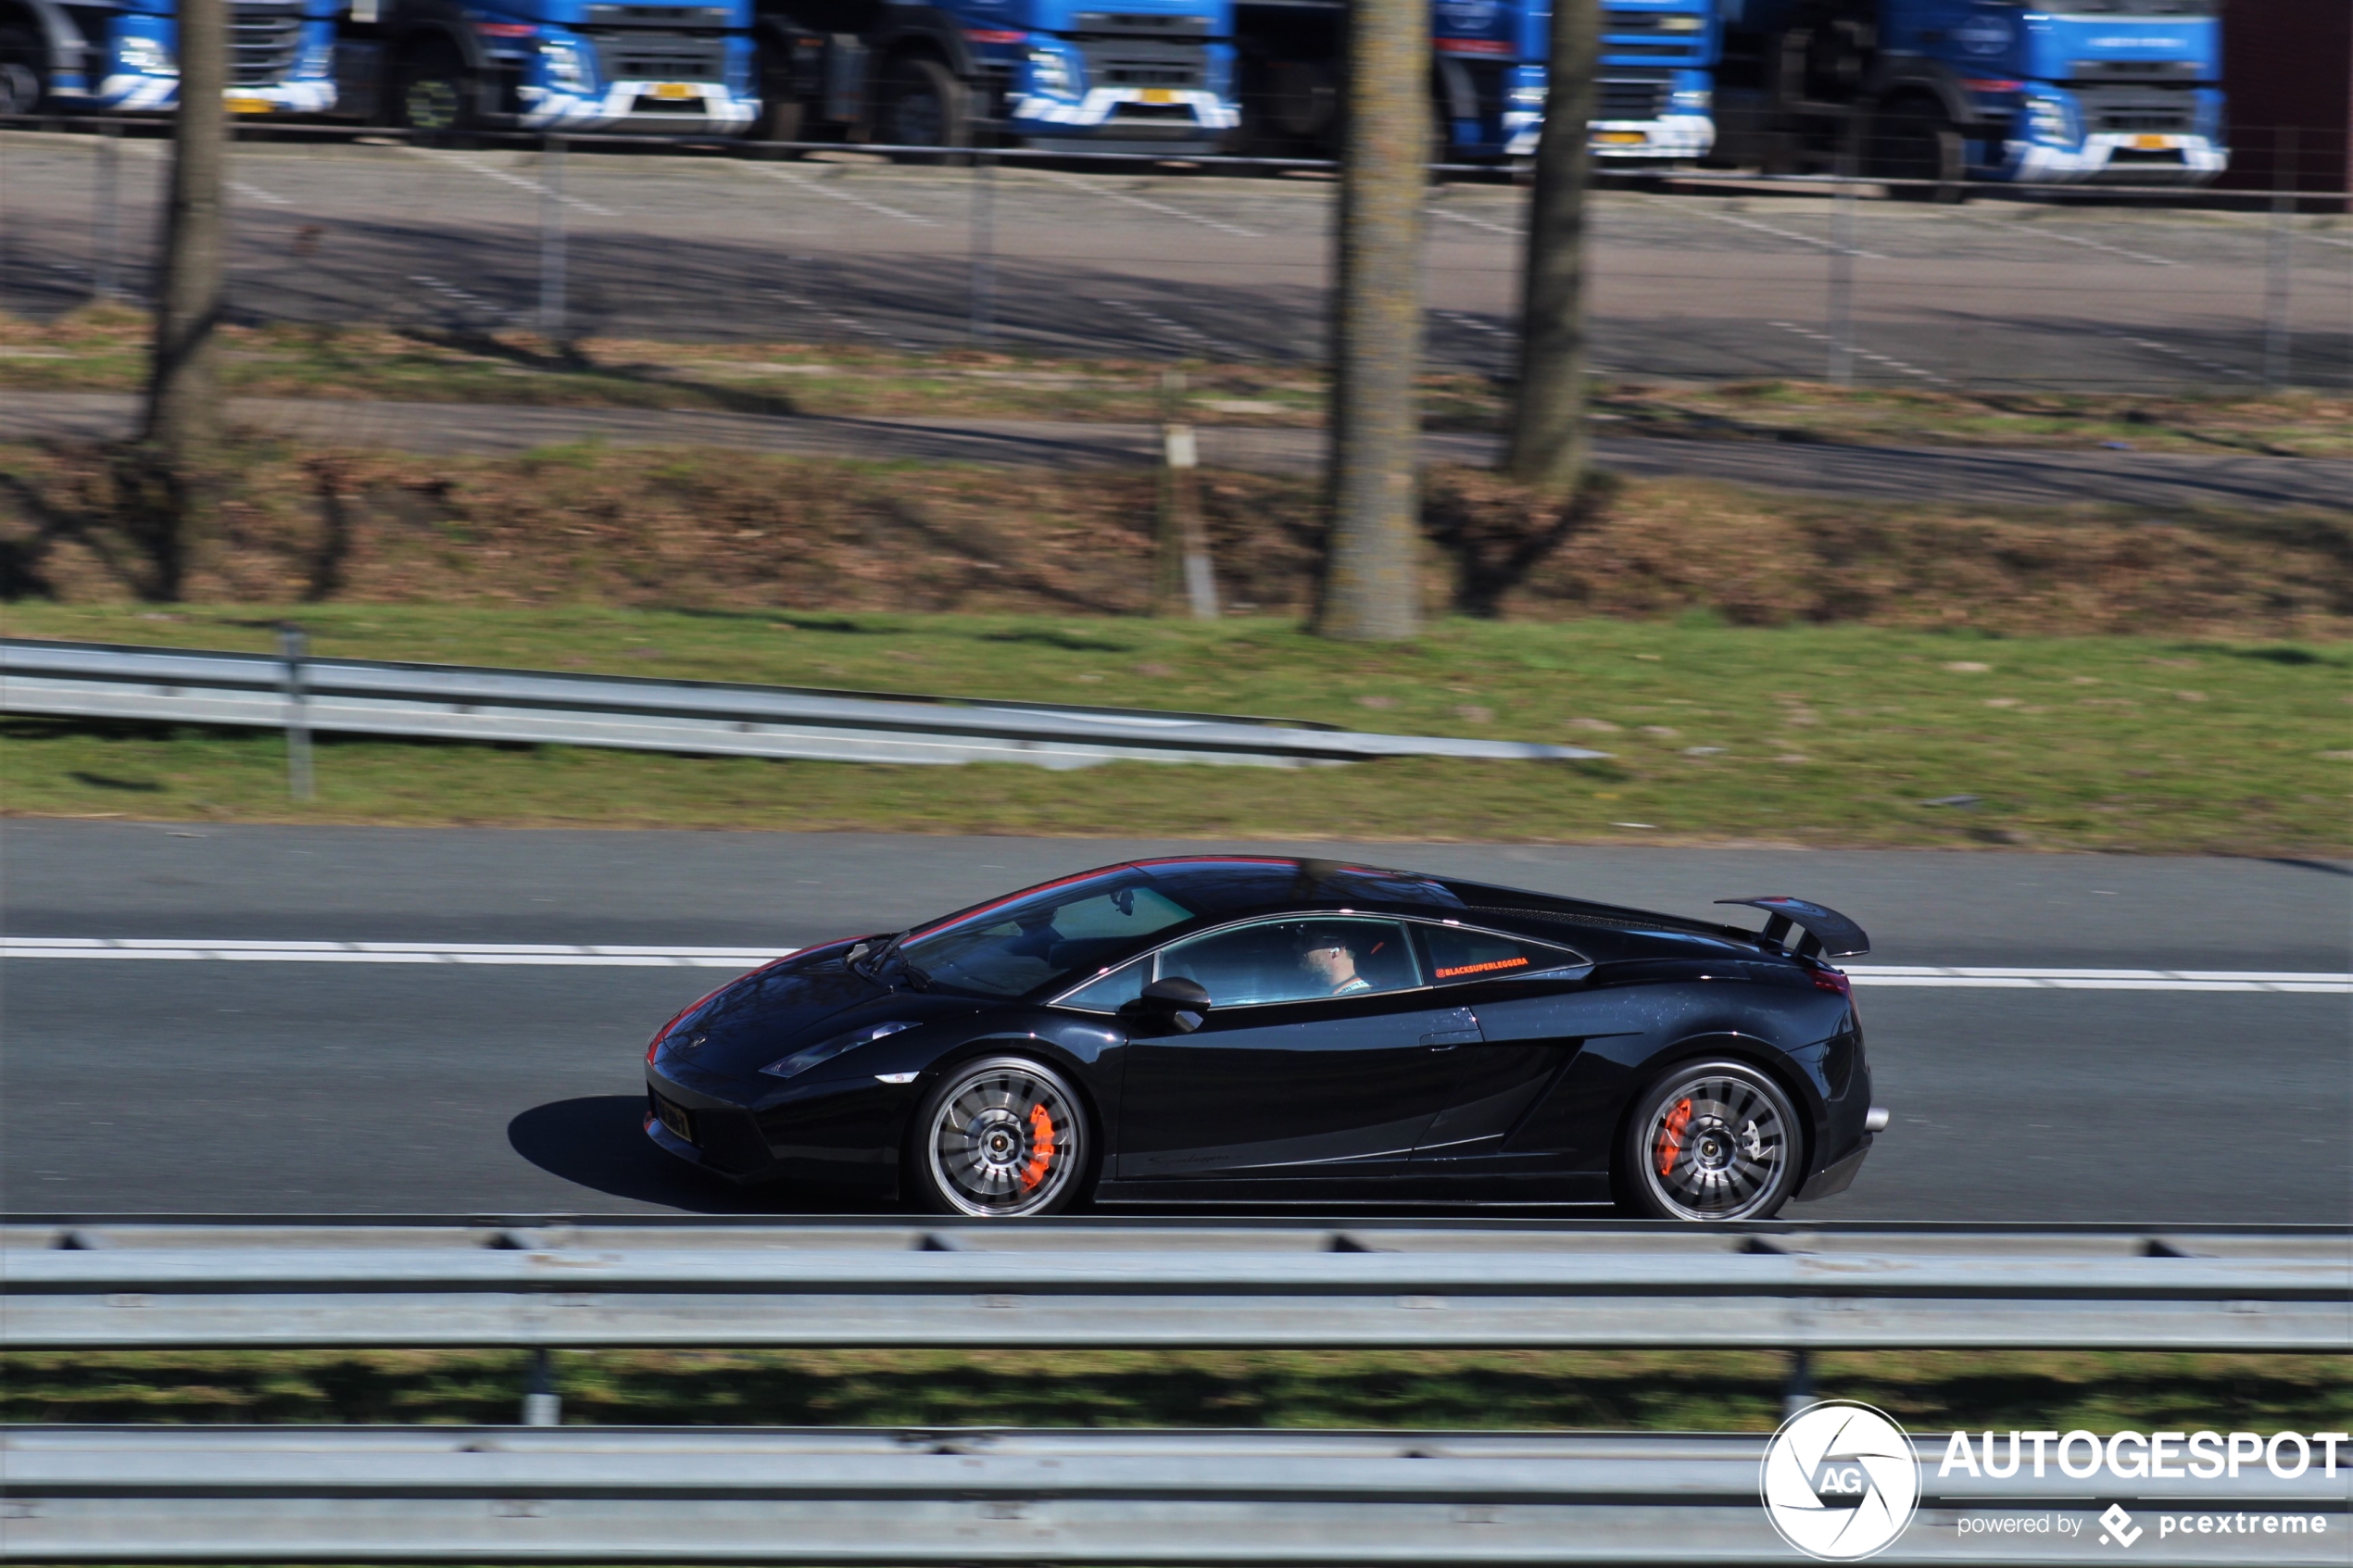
[1702, 279]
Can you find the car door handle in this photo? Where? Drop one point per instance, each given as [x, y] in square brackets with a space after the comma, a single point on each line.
[1447, 1039]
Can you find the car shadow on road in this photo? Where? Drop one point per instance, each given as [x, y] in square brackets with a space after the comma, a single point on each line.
[599, 1142]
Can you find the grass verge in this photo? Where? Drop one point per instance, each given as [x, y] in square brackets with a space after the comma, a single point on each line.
[103, 349]
[1708, 1390]
[1803, 735]
[742, 534]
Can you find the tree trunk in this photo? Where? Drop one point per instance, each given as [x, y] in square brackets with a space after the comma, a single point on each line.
[183, 397]
[1549, 443]
[1371, 580]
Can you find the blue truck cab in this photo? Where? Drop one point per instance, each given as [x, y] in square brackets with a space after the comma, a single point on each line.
[123, 56]
[2130, 91]
[550, 65]
[2122, 91]
[1652, 106]
[1146, 75]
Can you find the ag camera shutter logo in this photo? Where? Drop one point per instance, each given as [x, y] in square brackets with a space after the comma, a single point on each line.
[1840, 1481]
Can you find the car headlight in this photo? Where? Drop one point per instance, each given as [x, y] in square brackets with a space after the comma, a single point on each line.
[2050, 119]
[802, 1061]
[1050, 72]
[146, 57]
[567, 66]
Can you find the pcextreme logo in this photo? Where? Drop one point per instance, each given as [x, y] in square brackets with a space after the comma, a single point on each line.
[1840, 1481]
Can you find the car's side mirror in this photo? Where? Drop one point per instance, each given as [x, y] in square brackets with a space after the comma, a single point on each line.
[1173, 1004]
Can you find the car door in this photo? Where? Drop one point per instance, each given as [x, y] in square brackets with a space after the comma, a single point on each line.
[1296, 1071]
[1528, 1032]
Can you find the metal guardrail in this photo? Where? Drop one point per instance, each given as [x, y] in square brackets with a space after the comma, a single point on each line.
[125, 1286]
[458, 702]
[1180, 1499]
[1176, 1498]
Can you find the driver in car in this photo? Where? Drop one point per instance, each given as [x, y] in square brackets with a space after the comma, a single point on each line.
[1324, 952]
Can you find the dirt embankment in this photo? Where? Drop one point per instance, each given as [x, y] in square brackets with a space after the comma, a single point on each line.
[699, 529]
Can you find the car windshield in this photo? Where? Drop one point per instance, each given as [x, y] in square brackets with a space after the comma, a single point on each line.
[1047, 936]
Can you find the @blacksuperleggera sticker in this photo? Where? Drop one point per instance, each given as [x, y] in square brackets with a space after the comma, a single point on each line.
[1840, 1481]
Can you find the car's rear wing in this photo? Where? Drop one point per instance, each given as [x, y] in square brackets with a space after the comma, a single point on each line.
[1827, 931]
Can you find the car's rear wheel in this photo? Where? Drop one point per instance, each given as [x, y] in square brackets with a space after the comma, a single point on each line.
[999, 1138]
[1711, 1140]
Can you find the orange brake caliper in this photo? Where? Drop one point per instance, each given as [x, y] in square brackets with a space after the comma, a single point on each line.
[1041, 1149]
[1670, 1136]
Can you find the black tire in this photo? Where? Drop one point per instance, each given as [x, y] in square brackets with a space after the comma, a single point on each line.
[1710, 1140]
[1912, 140]
[1000, 1137]
[24, 74]
[925, 105]
[431, 90]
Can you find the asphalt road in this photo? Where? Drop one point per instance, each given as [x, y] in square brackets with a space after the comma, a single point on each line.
[1706, 286]
[169, 1087]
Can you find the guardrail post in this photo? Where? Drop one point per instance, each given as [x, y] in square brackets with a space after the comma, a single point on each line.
[982, 243]
[1801, 1384]
[1182, 573]
[106, 215]
[551, 239]
[541, 1404]
[2278, 346]
[293, 647]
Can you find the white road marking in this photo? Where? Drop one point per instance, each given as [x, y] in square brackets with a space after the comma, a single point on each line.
[257, 194]
[2015, 227]
[825, 188]
[1175, 329]
[471, 301]
[505, 178]
[626, 956]
[2199, 359]
[2298, 981]
[1164, 210]
[1813, 240]
[847, 323]
[185, 949]
[1896, 365]
[1508, 232]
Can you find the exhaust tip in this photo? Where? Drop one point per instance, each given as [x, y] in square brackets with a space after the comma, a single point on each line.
[1875, 1119]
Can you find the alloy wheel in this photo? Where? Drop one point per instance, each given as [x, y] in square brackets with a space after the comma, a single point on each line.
[1715, 1147]
[1004, 1139]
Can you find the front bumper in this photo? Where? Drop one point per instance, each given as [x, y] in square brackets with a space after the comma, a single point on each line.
[2112, 158]
[1177, 112]
[843, 1135]
[633, 105]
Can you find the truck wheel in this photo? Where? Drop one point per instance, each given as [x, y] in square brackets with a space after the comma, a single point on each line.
[925, 105]
[24, 82]
[430, 90]
[1912, 140]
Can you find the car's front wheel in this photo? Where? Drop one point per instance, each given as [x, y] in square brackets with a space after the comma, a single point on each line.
[1711, 1140]
[1000, 1139]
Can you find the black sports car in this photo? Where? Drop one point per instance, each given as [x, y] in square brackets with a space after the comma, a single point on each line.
[1264, 1030]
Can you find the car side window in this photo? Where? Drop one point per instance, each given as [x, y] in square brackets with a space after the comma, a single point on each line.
[1112, 991]
[1457, 955]
[1295, 961]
